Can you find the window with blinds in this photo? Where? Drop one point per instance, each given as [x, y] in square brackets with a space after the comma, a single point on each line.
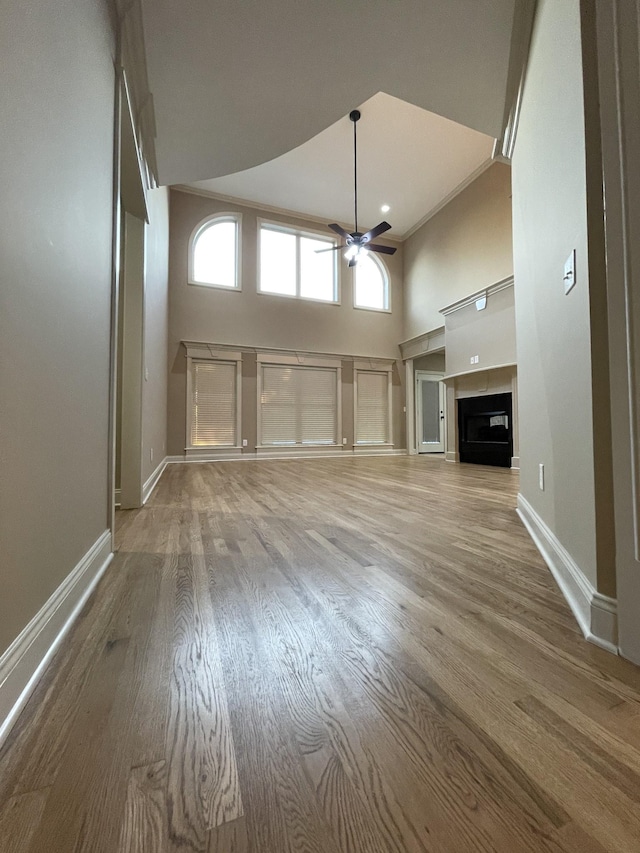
[214, 404]
[372, 412]
[298, 405]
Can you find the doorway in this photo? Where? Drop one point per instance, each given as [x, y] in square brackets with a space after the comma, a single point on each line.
[430, 412]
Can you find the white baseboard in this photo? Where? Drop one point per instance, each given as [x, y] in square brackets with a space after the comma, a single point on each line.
[27, 657]
[515, 463]
[362, 451]
[451, 456]
[277, 453]
[152, 482]
[604, 622]
[595, 613]
[117, 497]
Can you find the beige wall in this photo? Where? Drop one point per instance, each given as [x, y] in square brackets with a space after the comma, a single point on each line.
[156, 316]
[489, 334]
[463, 248]
[432, 361]
[555, 368]
[56, 138]
[250, 319]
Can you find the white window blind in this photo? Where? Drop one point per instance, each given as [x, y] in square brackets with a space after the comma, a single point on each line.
[213, 404]
[373, 407]
[299, 405]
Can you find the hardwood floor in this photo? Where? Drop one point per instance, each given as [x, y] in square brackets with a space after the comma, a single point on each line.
[332, 656]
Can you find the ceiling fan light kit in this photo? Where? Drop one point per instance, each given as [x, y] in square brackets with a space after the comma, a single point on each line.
[358, 245]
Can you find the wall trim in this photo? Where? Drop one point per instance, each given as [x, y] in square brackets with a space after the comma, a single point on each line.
[596, 614]
[151, 482]
[428, 342]
[268, 208]
[521, 32]
[449, 197]
[379, 451]
[493, 367]
[496, 287]
[26, 659]
[515, 463]
[332, 452]
[245, 202]
[204, 349]
[116, 497]
[451, 456]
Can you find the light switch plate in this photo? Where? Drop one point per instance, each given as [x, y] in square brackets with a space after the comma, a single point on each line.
[569, 277]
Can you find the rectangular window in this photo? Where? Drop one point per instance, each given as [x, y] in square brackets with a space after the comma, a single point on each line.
[298, 264]
[298, 405]
[372, 407]
[214, 404]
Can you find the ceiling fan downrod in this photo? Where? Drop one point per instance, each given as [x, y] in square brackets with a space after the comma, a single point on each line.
[354, 115]
[358, 244]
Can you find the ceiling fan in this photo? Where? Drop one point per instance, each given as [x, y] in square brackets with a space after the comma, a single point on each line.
[358, 243]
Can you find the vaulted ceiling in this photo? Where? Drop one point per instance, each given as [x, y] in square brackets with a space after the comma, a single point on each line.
[239, 83]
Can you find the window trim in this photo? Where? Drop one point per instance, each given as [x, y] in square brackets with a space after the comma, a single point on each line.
[200, 353]
[207, 222]
[298, 232]
[266, 359]
[372, 366]
[387, 282]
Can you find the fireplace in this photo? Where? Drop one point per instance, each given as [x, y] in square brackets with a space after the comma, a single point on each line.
[485, 434]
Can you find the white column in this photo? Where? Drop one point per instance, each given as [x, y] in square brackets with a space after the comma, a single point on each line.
[410, 392]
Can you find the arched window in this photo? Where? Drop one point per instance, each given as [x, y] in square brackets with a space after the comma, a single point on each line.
[371, 284]
[214, 252]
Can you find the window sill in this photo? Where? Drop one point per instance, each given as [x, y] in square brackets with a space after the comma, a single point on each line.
[294, 297]
[236, 289]
[375, 310]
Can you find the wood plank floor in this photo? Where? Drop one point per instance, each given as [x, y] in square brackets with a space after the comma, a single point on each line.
[332, 656]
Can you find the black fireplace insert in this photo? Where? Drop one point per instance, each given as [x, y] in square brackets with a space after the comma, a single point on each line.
[485, 430]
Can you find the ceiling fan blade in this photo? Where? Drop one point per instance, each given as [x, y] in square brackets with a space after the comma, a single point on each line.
[353, 261]
[332, 249]
[384, 250]
[339, 230]
[375, 232]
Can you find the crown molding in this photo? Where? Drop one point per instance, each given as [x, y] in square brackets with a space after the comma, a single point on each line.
[309, 217]
[426, 343]
[132, 58]
[449, 197]
[521, 32]
[268, 208]
[503, 284]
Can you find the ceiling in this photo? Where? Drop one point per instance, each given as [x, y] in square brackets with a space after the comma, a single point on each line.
[239, 84]
[408, 158]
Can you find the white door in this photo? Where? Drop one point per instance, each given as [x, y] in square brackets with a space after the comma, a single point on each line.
[430, 402]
